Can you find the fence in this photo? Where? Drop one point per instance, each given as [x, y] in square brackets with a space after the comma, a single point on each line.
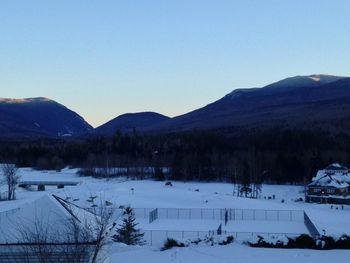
[153, 215]
[158, 237]
[310, 226]
[55, 253]
[222, 214]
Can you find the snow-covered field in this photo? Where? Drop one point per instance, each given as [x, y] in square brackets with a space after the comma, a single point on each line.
[151, 194]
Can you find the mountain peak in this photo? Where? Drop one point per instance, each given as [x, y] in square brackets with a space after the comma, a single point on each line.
[129, 121]
[24, 100]
[324, 78]
[313, 80]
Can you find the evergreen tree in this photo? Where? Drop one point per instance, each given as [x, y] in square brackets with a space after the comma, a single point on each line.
[127, 232]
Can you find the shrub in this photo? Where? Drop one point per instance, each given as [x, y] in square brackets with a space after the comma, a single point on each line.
[228, 240]
[328, 242]
[343, 242]
[261, 243]
[170, 243]
[302, 241]
[168, 184]
[306, 241]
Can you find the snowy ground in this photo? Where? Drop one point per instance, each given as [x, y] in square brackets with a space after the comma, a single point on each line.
[227, 254]
[150, 194]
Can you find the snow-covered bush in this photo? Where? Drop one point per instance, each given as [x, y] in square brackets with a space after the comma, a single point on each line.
[343, 242]
[207, 240]
[170, 243]
[305, 242]
[302, 241]
[328, 242]
[168, 184]
[226, 241]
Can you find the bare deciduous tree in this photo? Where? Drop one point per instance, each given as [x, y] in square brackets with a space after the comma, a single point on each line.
[46, 245]
[10, 172]
[78, 239]
[101, 226]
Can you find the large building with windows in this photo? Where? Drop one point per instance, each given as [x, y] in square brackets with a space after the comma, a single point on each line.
[330, 185]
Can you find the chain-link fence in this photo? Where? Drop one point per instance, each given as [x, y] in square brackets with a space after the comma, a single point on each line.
[158, 237]
[222, 214]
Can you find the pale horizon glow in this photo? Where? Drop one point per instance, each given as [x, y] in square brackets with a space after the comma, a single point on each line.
[105, 58]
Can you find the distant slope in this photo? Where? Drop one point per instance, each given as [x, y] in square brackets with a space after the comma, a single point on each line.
[316, 101]
[130, 121]
[39, 117]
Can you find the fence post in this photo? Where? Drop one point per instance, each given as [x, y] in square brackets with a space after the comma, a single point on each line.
[201, 213]
[178, 213]
[151, 238]
[190, 213]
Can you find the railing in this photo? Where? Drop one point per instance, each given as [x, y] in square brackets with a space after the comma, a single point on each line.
[26, 183]
[35, 252]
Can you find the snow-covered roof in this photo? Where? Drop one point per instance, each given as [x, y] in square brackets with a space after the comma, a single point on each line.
[331, 179]
[44, 214]
[336, 167]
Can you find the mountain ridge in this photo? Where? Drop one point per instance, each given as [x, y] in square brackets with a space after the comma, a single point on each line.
[39, 116]
[251, 108]
[129, 122]
[309, 101]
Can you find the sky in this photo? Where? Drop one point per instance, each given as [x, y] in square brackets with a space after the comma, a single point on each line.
[105, 58]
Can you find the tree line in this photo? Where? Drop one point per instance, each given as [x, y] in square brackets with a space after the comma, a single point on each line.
[274, 156]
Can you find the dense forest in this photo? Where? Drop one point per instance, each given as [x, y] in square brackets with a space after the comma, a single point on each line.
[273, 156]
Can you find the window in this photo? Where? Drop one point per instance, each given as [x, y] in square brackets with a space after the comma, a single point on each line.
[330, 191]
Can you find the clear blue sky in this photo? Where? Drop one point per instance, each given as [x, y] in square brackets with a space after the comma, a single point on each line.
[105, 58]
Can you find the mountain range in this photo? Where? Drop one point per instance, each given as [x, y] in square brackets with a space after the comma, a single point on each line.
[307, 102]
